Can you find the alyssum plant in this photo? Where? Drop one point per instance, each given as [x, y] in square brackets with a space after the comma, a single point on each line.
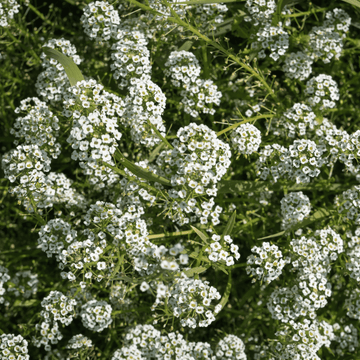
[149, 208]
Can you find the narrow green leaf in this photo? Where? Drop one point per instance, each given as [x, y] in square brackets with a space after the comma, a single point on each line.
[72, 71]
[273, 235]
[186, 46]
[226, 295]
[176, 233]
[202, 236]
[196, 270]
[139, 171]
[26, 303]
[195, 255]
[254, 118]
[230, 224]
[277, 16]
[243, 186]
[319, 215]
[239, 27]
[155, 152]
[353, 2]
[130, 178]
[223, 28]
[221, 267]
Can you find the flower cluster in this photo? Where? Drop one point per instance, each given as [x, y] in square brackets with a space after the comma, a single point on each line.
[274, 38]
[348, 204]
[8, 8]
[49, 333]
[54, 236]
[131, 57]
[346, 335]
[326, 41]
[208, 15]
[13, 347]
[300, 162]
[182, 67]
[58, 307]
[286, 304]
[145, 105]
[260, 11]
[353, 253]
[196, 164]
[144, 341]
[295, 206]
[27, 165]
[128, 231]
[119, 301]
[246, 139]
[296, 121]
[165, 11]
[323, 92]
[230, 347]
[352, 304]
[100, 21]
[223, 250]
[96, 315]
[323, 246]
[26, 284]
[38, 127]
[303, 340]
[94, 133]
[192, 305]
[78, 342]
[51, 84]
[268, 262]
[184, 70]
[298, 65]
[4, 278]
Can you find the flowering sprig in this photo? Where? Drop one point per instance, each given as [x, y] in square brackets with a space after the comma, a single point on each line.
[268, 262]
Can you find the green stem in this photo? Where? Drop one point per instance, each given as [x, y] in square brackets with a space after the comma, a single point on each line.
[176, 19]
[159, 135]
[176, 233]
[205, 58]
[265, 116]
[306, 13]
[225, 298]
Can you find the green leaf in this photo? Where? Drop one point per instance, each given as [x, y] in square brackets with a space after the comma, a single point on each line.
[353, 2]
[226, 295]
[221, 267]
[26, 303]
[186, 46]
[195, 255]
[131, 178]
[319, 215]
[72, 71]
[277, 16]
[240, 28]
[243, 186]
[139, 171]
[230, 224]
[196, 270]
[273, 235]
[223, 28]
[202, 236]
[155, 152]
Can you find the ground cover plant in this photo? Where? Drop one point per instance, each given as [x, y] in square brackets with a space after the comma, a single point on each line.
[179, 179]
